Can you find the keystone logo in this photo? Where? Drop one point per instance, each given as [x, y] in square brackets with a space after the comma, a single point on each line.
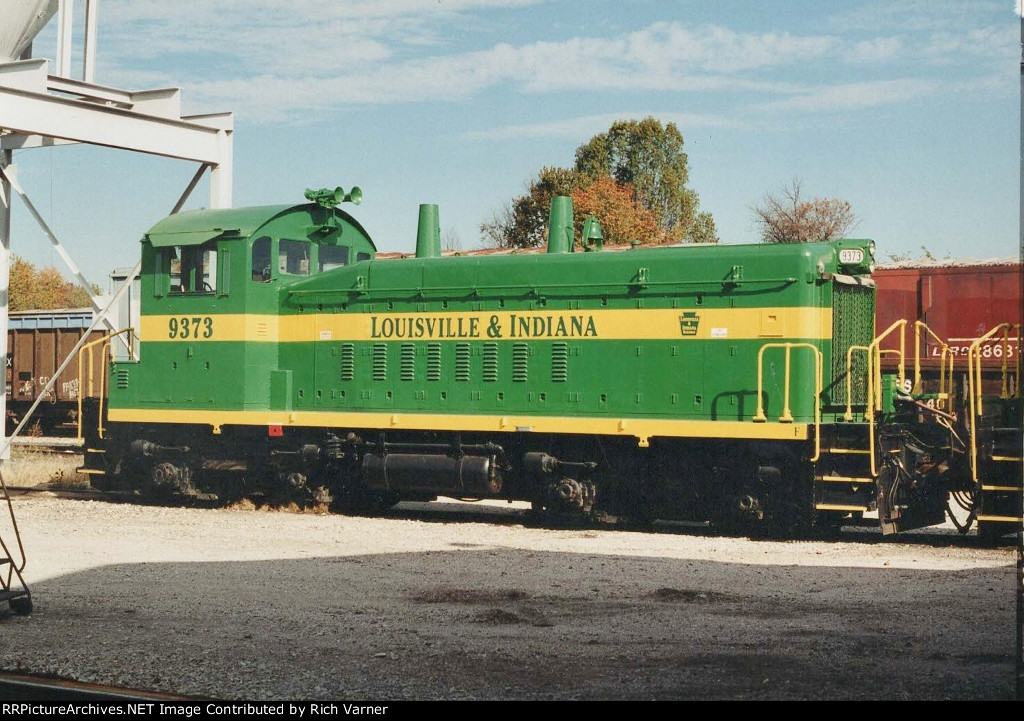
[688, 323]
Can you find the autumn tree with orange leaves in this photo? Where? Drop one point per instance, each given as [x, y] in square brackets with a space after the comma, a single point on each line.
[637, 170]
[623, 218]
[45, 289]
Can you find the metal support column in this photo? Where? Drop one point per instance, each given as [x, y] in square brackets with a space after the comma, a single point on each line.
[6, 158]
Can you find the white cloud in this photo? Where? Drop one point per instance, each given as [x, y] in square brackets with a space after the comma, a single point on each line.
[875, 50]
[914, 16]
[949, 48]
[855, 95]
[589, 125]
[273, 63]
[720, 50]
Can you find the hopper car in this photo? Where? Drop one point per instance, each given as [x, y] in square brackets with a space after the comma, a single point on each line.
[38, 341]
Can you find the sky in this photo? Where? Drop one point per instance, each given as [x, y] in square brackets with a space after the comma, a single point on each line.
[909, 110]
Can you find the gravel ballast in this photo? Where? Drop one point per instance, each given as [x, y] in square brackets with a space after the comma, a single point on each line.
[425, 604]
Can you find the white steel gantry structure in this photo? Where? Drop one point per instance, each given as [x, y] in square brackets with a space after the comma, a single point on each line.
[42, 106]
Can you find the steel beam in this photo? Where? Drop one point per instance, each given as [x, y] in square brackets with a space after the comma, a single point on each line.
[39, 114]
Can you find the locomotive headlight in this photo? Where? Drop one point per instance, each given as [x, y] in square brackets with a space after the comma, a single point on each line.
[871, 249]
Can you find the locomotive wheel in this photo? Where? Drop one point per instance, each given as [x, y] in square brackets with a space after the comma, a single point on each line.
[567, 503]
[295, 487]
[167, 480]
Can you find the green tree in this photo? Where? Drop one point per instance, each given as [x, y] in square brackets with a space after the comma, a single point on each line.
[649, 157]
[785, 217]
[643, 157]
[46, 289]
[524, 223]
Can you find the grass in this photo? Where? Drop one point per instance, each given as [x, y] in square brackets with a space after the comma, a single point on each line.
[29, 467]
[32, 467]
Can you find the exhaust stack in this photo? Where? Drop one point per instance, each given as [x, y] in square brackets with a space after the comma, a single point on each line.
[560, 231]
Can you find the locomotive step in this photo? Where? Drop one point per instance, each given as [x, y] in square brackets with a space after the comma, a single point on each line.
[1001, 489]
[1005, 436]
[859, 451]
[840, 507]
[91, 471]
[1000, 519]
[845, 479]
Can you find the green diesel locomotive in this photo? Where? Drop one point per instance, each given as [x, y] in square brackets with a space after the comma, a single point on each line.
[736, 384]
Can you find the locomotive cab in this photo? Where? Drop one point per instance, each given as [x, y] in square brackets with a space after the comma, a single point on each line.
[210, 289]
[237, 260]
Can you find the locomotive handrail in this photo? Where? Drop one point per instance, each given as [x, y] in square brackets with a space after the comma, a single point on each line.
[873, 392]
[975, 387]
[787, 415]
[1006, 347]
[849, 380]
[974, 365]
[945, 382]
[102, 341]
[873, 401]
[528, 288]
[876, 376]
[1005, 351]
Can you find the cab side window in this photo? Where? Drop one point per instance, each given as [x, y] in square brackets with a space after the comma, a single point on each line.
[193, 268]
[261, 260]
[293, 257]
[332, 256]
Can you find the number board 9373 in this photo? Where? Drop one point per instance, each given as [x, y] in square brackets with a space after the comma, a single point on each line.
[189, 327]
[849, 256]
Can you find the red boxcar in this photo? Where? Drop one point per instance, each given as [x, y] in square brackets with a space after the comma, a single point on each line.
[960, 301]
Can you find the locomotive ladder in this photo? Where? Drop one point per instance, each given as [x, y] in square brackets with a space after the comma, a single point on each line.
[996, 439]
[857, 472]
[843, 482]
[94, 460]
[845, 473]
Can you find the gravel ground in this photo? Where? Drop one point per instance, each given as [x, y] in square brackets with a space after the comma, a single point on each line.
[431, 603]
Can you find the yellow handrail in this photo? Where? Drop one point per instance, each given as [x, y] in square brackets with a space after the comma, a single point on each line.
[873, 392]
[1005, 353]
[787, 415]
[974, 383]
[877, 358]
[945, 382]
[849, 379]
[102, 341]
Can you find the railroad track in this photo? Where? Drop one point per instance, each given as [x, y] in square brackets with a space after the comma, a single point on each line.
[449, 510]
[859, 531]
[48, 443]
[16, 688]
